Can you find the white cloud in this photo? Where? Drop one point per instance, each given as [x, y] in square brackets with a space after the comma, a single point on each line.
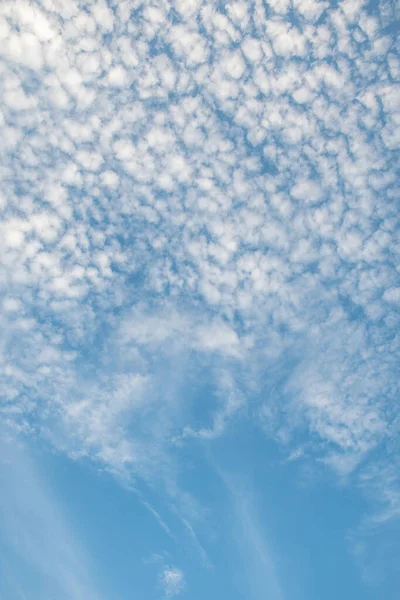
[188, 44]
[310, 9]
[279, 6]
[252, 49]
[188, 8]
[117, 76]
[286, 40]
[392, 295]
[308, 191]
[234, 65]
[173, 581]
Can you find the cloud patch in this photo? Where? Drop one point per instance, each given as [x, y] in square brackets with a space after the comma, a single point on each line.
[173, 582]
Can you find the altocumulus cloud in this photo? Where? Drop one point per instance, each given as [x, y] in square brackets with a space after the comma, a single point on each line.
[186, 186]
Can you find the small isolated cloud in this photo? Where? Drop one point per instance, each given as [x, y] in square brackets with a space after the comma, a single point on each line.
[173, 581]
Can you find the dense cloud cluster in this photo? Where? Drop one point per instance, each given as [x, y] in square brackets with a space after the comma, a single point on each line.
[190, 186]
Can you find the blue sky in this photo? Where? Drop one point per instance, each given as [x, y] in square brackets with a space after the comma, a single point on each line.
[199, 307]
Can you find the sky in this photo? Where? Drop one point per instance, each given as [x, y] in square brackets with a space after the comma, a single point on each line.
[199, 300]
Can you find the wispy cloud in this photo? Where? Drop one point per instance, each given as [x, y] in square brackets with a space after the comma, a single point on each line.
[257, 559]
[37, 534]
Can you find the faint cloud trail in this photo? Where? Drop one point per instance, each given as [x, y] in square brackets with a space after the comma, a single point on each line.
[259, 565]
[34, 527]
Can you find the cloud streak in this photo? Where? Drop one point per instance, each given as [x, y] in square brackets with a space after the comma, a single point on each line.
[36, 533]
[256, 555]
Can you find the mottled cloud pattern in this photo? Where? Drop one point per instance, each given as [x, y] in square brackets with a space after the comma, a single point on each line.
[190, 186]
